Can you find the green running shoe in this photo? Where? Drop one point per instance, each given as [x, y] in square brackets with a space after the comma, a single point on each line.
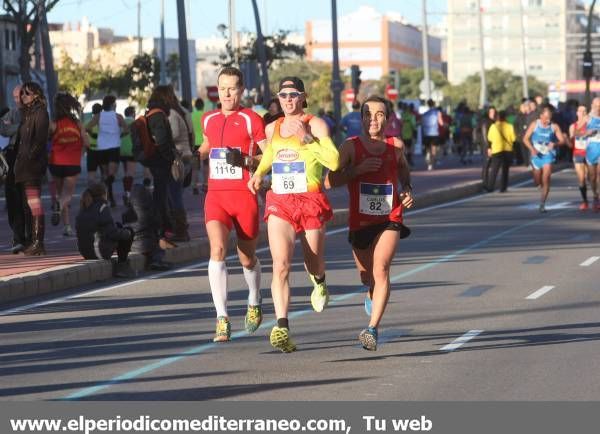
[280, 339]
[368, 338]
[223, 330]
[319, 297]
[253, 318]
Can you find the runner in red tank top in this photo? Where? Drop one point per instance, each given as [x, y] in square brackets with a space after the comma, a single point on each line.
[68, 140]
[577, 133]
[371, 166]
[231, 138]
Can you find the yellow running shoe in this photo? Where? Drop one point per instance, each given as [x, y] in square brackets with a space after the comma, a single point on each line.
[319, 297]
[280, 339]
[223, 331]
[253, 318]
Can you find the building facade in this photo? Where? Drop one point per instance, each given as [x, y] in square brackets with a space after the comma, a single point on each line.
[378, 43]
[9, 60]
[540, 42]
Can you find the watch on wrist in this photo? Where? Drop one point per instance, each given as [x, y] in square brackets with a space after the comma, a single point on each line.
[308, 138]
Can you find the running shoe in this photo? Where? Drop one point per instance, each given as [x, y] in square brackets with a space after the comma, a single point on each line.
[542, 208]
[280, 339]
[584, 206]
[253, 318]
[319, 297]
[55, 219]
[67, 231]
[223, 331]
[368, 338]
[368, 306]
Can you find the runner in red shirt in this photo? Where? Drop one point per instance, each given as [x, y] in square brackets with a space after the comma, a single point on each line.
[232, 136]
[64, 162]
[371, 166]
[577, 133]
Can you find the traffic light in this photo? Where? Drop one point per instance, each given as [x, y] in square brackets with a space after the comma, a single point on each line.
[355, 74]
[588, 65]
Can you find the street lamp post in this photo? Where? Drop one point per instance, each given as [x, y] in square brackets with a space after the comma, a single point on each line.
[425, 49]
[588, 61]
[336, 83]
[262, 56]
[184, 58]
[483, 90]
[163, 55]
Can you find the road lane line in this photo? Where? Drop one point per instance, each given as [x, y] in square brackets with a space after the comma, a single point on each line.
[459, 342]
[360, 290]
[537, 294]
[589, 261]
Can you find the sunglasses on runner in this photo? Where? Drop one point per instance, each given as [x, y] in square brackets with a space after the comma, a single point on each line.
[285, 95]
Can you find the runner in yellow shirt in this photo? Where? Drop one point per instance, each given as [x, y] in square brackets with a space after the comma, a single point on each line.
[299, 147]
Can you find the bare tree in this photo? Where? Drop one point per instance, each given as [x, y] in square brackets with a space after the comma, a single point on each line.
[26, 14]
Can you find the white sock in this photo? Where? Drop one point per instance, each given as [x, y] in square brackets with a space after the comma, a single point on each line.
[217, 277]
[252, 276]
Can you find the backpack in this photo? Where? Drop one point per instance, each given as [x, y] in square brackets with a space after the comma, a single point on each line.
[144, 146]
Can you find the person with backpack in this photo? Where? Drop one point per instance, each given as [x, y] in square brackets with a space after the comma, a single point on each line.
[68, 140]
[153, 146]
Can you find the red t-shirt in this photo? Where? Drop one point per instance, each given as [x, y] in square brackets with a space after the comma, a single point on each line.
[374, 196]
[66, 144]
[243, 129]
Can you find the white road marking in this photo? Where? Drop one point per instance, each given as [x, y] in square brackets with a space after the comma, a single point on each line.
[459, 342]
[589, 261]
[540, 292]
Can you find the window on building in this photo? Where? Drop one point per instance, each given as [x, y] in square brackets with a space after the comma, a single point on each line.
[535, 3]
[13, 40]
[6, 39]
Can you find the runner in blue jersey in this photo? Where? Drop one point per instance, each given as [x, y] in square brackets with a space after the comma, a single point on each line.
[542, 138]
[592, 150]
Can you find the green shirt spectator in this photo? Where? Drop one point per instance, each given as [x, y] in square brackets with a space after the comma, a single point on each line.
[197, 121]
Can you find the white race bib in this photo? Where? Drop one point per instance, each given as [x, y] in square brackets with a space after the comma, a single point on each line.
[542, 148]
[580, 143]
[219, 168]
[376, 199]
[289, 177]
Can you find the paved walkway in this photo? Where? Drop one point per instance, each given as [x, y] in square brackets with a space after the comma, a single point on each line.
[63, 250]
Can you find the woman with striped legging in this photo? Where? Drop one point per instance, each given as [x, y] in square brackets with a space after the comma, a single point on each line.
[32, 159]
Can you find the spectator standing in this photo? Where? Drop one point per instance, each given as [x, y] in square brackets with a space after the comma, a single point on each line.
[32, 159]
[500, 136]
[19, 215]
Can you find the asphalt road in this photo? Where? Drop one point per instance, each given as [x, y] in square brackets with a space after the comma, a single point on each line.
[491, 300]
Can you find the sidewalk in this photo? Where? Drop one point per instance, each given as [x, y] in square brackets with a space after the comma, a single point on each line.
[63, 268]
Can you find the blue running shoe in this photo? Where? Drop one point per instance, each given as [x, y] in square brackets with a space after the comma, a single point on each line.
[368, 338]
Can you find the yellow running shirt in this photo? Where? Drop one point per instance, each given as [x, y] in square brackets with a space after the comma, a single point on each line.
[295, 167]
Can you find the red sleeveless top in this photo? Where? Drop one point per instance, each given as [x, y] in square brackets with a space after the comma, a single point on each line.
[374, 196]
[66, 144]
[579, 145]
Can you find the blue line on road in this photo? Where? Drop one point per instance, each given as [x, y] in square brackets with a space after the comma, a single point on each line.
[207, 346]
[536, 260]
[477, 291]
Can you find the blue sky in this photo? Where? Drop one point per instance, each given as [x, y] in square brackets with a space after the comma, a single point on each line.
[121, 15]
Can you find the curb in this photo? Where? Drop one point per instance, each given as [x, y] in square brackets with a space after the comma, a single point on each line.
[50, 280]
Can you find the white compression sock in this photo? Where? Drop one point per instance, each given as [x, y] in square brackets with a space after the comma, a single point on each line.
[252, 277]
[217, 277]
